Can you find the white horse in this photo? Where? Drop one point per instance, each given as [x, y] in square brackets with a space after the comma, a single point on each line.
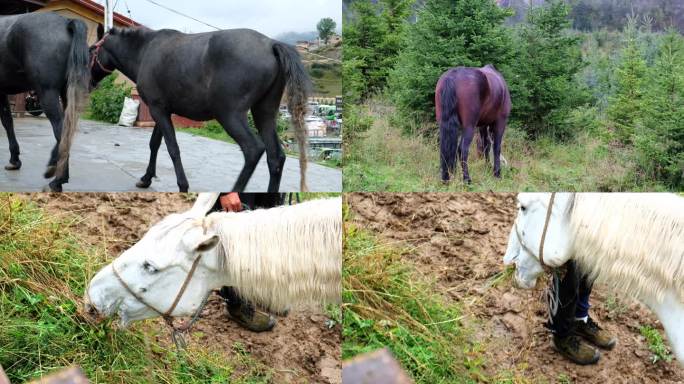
[279, 258]
[632, 242]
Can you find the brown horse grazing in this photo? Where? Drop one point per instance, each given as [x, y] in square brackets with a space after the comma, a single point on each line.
[470, 98]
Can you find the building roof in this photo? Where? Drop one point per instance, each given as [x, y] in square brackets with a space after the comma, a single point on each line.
[99, 9]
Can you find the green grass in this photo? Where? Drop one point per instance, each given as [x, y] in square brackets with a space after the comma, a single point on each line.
[655, 344]
[388, 304]
[43, 273]
[384, 159]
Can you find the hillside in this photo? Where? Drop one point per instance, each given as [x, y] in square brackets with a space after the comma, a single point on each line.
[589, 15]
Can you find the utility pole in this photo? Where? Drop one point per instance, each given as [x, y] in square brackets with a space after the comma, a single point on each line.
[108, 15]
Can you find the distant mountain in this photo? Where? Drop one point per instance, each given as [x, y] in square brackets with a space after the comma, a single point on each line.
[294, 37]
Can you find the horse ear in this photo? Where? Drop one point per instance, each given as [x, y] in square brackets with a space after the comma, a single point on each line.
[207, 242]
[100, 32]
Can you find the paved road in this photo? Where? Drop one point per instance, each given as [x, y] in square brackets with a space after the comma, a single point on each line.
[107, 157]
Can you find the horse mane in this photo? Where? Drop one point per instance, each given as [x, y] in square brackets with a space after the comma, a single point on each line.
[632, 242]
[284, 256]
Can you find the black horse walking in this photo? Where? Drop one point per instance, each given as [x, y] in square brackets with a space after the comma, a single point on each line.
[216, 75]
[48, 54]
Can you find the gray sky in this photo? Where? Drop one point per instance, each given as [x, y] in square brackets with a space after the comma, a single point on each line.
[270, 17]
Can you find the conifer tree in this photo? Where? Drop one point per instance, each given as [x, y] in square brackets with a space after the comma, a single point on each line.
[626, 105]
[448, 33]
[548, 59]
[660, 139]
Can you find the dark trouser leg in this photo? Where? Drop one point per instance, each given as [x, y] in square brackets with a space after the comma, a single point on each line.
[562, 321]
[583, 294]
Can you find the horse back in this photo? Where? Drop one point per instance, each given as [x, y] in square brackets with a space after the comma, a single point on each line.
[499, 100]
[219, 70]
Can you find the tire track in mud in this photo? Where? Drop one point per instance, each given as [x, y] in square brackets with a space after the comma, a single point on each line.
[460, 239]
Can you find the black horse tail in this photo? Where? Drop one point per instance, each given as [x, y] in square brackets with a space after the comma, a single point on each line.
[298, 88]
[449, 128]
[78, 80]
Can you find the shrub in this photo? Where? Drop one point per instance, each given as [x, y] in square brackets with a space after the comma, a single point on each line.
[107, 100]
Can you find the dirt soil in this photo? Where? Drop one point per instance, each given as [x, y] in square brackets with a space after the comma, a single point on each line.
[460, 239]
[300, 349]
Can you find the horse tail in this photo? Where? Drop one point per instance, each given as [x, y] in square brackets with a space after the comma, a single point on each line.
[78, 80]
[449, 127]
[298, 88]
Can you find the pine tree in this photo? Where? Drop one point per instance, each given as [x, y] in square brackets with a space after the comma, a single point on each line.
[660, 139]
[548, 59]
[626, 104]
[448, 33]
[362, 65]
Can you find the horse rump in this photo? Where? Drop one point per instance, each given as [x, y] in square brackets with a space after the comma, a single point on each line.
[298, 88]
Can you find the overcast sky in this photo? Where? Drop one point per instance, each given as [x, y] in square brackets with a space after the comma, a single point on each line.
[271, 17]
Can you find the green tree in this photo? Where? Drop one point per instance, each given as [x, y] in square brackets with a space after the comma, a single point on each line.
[544, 88]
[394, 18]
[659, 140]
[447, 34]
[362, 65]
[627, 103]
[326, 28]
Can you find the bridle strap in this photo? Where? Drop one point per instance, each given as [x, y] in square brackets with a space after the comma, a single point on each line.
[184, 286]
[549, 210]
[167, 316]
[96, 59]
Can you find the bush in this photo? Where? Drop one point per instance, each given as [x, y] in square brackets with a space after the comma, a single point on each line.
[107, 100]
[316, 73]
[357, 120]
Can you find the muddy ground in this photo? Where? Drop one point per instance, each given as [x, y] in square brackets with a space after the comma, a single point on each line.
[300, 349]
[460, 240]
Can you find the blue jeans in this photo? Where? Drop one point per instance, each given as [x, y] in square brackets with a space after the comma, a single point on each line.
[574, 290]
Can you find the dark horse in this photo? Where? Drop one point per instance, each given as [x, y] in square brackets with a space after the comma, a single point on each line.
[216, 75]
[467, 98]
[48, 54]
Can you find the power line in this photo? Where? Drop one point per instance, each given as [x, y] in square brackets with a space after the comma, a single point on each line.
[182, 14]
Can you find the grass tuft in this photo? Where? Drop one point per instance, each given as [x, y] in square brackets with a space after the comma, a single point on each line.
[388, 304]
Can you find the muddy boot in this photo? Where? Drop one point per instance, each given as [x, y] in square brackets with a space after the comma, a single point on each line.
[245, 314]
[594, 334]
[575, 349]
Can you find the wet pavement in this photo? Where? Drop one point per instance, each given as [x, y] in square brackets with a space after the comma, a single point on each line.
[106, 157]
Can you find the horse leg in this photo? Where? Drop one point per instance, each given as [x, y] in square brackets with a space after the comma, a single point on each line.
[155, 143]
[265, 119]
[235, 125]
[466, 140]
[6, 117]
[498, 133]
[163, 122]
[485, 143]
[49, 101]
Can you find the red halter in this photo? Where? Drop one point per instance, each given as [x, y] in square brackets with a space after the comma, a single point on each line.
[95, 59]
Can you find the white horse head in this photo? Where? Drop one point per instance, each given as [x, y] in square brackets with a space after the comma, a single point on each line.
[154, 270]
[525, 240]
[278, 257]
[632, 242]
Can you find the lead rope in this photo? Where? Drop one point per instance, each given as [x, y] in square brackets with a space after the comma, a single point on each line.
[177, 334]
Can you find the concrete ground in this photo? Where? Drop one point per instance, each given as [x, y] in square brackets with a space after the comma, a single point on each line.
[106, 157]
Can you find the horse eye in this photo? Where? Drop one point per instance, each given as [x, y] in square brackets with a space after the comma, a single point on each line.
[523, 208]
[149, 268]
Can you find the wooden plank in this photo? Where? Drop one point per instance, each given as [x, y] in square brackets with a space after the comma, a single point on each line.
[3, 377]
[377, 367]
[72, 375]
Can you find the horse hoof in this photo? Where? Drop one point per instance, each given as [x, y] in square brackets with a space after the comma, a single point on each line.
[52, 188]
[143, 184]
[13, 166]
[50, 172]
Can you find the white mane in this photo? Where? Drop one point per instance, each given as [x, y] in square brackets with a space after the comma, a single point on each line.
[285, 256]
[632, 242]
